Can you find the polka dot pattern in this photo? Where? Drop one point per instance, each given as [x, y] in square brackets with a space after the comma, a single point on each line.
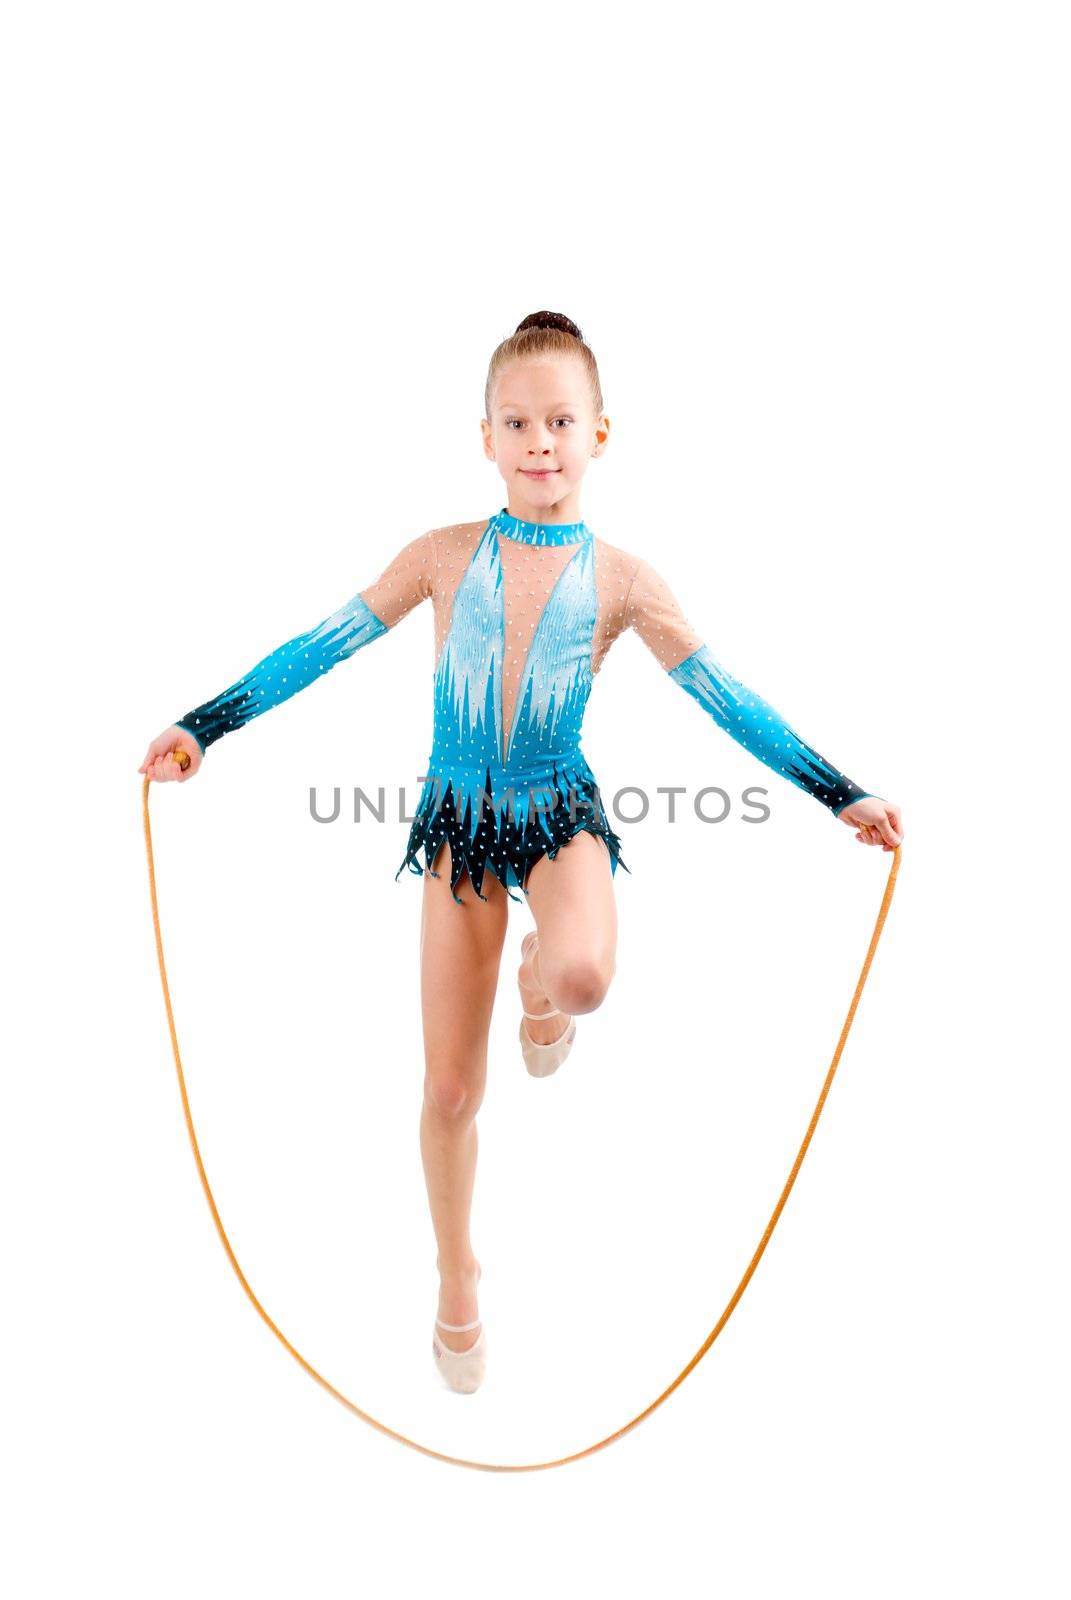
[524, 616]
[749, 719]
[491, 840]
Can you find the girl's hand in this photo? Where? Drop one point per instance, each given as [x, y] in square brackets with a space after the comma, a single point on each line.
[877, 822]
[160, 764]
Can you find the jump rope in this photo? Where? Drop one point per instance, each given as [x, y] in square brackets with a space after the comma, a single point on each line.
[439, 1455]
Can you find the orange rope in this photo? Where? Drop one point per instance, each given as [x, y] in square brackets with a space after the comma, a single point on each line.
[460, 1461]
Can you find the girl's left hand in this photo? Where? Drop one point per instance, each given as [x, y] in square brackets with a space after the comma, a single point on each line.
[877, 822]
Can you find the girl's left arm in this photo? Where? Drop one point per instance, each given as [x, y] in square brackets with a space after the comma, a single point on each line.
[652, 610]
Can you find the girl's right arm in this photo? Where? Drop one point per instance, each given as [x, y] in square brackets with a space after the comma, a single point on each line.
[296, 664]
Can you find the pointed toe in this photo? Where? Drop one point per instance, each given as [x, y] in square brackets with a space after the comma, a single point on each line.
[461, 1370]
[543, 1059]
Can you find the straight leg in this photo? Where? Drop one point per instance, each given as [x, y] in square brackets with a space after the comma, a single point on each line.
[460, 955]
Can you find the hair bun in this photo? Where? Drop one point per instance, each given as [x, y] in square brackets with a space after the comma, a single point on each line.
[550, 319]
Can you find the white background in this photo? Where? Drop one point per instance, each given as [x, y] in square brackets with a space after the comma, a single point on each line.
[256, 261]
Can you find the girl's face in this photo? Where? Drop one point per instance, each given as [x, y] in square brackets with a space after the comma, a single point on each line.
[541, 434]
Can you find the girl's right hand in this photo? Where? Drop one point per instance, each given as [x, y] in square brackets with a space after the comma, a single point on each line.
[160, 765]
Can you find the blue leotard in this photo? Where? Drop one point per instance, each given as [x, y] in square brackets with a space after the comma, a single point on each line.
[525, 613]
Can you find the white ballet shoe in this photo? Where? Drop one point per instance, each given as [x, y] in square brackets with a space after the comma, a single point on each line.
[461, 1370]
[543, 1059]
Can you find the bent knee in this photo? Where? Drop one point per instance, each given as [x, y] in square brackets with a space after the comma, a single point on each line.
[580, 984]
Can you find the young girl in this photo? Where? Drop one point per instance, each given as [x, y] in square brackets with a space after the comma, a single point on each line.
[527, 603]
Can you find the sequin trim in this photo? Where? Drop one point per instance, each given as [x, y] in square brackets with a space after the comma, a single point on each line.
[494, 843]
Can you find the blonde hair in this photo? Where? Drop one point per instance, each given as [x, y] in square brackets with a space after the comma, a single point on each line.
[543, 333]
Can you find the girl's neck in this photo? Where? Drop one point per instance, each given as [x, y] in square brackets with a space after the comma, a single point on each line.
[564, 511]
[525, 532]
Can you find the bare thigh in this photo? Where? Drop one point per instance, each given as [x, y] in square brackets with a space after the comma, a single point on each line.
[460, 955]
[572, 898]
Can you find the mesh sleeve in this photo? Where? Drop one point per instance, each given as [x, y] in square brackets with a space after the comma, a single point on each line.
[300, 661]
[655, 615]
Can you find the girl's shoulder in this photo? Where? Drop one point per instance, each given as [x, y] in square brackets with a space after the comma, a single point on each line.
[454, 535]
[457, 538]
[615, 561]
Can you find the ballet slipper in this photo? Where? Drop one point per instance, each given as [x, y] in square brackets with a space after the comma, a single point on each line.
[461, 1370]
[543, 1059]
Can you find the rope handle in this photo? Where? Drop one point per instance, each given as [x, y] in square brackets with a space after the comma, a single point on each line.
[439, 1455]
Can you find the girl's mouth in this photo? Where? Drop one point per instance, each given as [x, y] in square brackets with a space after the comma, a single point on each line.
[545, 472]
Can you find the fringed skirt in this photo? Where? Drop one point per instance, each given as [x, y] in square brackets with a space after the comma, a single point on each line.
[505, 825]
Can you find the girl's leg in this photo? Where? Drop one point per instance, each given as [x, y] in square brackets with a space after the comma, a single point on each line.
[576, 920]
[460, 954]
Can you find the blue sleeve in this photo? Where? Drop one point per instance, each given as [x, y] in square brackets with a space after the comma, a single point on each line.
[655, 614]
[752, 722]
[290, 668]
[407, 580]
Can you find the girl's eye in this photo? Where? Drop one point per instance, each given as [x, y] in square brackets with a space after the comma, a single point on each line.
[511, 420]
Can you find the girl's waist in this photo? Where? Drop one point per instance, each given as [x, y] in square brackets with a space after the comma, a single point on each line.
[554, 768]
